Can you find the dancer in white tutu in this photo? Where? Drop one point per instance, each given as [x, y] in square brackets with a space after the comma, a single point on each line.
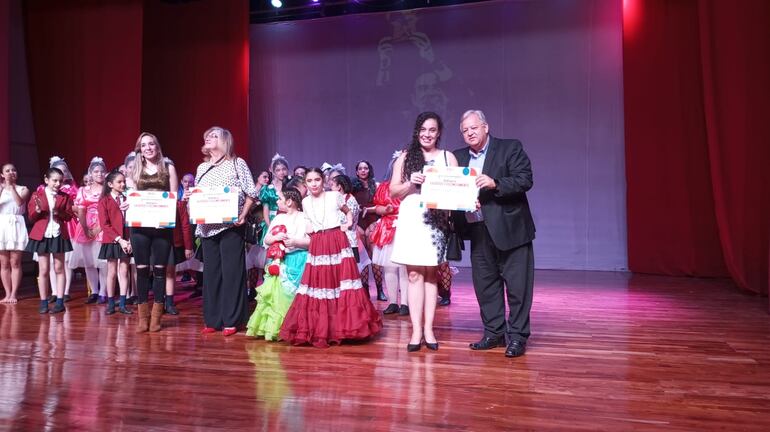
[13, 231]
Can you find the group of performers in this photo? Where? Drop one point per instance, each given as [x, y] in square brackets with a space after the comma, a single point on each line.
[319, 234]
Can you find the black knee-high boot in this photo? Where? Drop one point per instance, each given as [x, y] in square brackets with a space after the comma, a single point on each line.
[159, 284]
[142, 283]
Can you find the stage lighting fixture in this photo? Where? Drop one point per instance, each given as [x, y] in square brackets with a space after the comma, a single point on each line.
[276, 3]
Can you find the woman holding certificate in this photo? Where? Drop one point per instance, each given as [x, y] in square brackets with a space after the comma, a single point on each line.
[224, 269]
[151, 173]
[420, 241]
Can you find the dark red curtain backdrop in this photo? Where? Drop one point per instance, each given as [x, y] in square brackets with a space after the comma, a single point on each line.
[103, 71]
[85, 64]
[5, 9]
[195, 75]
[697, 138]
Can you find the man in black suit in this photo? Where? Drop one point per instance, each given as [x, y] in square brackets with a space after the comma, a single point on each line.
[501, 233]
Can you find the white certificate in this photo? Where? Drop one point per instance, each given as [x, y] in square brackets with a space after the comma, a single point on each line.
[151, 209]
[209, 205]
[449, 188]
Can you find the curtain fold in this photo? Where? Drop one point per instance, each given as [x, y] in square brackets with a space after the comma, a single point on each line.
[101, 72]
[5, 34]
[195, 75]
[85, 69]
[696, 97]
[735, 54]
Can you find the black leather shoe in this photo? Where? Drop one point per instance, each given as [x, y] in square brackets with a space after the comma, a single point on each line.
[413, 347]
[58, 308]
[52, 299]
[432, 346]
[445, 301]
[171, 310]
[391, 309]
[125, 311]
[488, 343]
[381, 294]
[403, 310]
[515, 349]
[110, 310]
[93, 298]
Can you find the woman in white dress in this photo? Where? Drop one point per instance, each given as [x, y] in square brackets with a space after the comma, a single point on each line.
[13, 231]
[420, 241]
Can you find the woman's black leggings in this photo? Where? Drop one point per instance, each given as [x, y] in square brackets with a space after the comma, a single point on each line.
[155, 243]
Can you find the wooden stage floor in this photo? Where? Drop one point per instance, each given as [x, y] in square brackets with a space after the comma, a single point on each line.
[609, 351]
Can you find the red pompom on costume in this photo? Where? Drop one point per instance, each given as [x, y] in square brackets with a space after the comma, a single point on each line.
[276, 251]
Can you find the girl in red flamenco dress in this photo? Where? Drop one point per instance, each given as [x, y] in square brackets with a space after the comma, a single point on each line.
[330, 305]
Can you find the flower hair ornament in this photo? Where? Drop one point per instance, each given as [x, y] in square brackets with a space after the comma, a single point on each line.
[338, 167]
[396, 154]
[326, 166]
[56, 160]
[96, 161]
[278, 159]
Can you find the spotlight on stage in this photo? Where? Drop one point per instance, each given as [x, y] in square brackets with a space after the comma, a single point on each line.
[276, 3]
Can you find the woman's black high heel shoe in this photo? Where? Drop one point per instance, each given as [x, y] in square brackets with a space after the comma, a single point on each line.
[432, 346]
[413, 347]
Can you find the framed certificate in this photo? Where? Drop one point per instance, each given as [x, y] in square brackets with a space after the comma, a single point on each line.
[210, 205]
[151, 209]
[449, 188]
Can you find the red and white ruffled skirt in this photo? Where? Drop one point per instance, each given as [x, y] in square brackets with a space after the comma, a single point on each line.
[331, 304]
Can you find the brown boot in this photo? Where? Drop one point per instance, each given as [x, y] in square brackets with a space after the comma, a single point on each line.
[157, 313]
[143, 311]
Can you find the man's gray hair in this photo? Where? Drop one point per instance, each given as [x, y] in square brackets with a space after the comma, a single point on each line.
[469, 113]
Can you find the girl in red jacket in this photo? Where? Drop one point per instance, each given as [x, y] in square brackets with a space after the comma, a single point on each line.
[48, 211]
[115, 246]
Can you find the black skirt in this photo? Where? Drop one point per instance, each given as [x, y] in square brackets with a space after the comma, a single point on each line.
[110, 251]
[49, 245]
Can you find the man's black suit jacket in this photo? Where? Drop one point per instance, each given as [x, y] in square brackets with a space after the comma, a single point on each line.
[505, 209]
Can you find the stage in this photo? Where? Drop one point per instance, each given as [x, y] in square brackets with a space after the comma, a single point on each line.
[609, 351]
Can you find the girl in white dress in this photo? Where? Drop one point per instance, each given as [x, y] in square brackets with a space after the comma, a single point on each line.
[13, 231]
[420, 241]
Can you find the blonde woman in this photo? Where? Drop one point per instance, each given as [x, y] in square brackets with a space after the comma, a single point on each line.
[151, 246]
[224, 271]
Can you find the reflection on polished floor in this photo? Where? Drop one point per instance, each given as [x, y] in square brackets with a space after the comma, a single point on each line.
[610, 351]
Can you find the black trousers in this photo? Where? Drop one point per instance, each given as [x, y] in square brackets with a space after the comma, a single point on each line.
[151, 246]
[499, 275]
[224, 279]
